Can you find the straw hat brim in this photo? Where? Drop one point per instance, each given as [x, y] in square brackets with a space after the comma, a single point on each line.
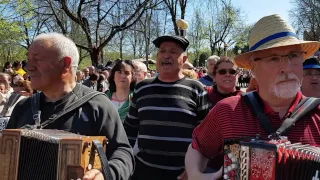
[310, 47]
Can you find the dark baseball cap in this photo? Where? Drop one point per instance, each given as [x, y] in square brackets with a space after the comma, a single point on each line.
[311, 63]
[183, 42]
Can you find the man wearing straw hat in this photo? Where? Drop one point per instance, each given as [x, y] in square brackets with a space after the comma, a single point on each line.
[275, 59]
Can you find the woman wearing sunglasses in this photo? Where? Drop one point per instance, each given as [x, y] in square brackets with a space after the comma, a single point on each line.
[225, 78]
[121, 86]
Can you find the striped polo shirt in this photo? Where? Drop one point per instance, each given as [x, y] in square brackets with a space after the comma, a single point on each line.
[232, 118]
[165, 115]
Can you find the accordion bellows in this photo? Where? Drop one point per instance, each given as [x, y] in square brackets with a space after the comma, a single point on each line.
[45, 154]
[257, 159]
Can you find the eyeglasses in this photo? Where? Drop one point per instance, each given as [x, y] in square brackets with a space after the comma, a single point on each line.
[295, 58]
[225, 71]
[309, 74]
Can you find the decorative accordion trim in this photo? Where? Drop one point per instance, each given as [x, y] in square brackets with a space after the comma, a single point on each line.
[269, 159]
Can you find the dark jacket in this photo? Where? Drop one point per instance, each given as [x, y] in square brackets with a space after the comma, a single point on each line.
[97, 117]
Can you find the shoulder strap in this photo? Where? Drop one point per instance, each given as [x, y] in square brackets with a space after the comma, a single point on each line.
[251, 100]
[11, 101]
[35, 107]
[96, 145]
[74, 105]
[305, 106]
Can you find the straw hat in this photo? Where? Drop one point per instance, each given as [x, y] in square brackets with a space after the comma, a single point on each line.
[272, 32]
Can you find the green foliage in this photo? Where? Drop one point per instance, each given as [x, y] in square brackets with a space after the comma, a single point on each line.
[10, 36]
[10, 32]
[85, 63]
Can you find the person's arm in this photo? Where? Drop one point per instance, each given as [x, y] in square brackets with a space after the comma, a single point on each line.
[18, 110]
[131, 123]
[119, 151]
[207, 143]
[196, 164]
[204, 104]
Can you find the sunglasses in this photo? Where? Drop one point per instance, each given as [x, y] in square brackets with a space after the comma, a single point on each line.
[225, 71]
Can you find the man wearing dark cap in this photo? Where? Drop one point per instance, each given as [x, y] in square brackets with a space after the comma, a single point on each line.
[311, 78]
[164, 112]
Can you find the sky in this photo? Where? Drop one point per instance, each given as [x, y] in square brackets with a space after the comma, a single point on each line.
[256, 9]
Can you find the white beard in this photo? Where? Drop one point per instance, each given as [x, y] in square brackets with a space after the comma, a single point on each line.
[286, 90]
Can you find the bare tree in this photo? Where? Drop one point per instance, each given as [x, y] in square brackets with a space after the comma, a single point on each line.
[306, 18]
[222, 18]
[94, 19]
[196, 33]
[172, 6]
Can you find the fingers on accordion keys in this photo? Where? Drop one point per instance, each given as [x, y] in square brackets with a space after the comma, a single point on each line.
[89, 167]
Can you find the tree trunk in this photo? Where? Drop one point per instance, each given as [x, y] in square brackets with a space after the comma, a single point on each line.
[174, 20]
[94, 55]
[121, 47]
[212, 50]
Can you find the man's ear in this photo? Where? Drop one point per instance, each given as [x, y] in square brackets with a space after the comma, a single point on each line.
[67, 64]
[184, 58]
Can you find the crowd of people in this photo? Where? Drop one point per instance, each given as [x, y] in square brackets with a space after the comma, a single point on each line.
[170, 123]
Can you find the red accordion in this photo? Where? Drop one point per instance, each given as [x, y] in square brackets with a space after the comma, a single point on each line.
[269, 159]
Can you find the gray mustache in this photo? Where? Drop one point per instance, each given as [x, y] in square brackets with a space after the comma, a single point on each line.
[285, 77]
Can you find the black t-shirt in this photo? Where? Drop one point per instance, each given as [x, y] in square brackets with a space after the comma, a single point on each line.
[97, 117]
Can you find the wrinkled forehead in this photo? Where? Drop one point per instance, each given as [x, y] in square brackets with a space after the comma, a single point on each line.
[41, 47]
[276, 51]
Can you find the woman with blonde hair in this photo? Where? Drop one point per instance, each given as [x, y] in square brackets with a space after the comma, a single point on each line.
[190, 74]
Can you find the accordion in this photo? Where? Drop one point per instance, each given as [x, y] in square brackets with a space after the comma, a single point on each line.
[269, 159]
[46, 154]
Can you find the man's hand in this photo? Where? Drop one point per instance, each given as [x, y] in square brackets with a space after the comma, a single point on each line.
[183, 176]
[93, 174]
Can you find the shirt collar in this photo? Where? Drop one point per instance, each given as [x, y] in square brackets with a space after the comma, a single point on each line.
[267, 109]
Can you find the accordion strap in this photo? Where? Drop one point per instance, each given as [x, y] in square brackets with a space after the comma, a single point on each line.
[305, 106]
[96, 145]
[251, 99]
[72, 106]
[14, 97]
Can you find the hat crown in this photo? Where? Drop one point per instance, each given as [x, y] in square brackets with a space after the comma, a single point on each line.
[273, 26]
[273, 32]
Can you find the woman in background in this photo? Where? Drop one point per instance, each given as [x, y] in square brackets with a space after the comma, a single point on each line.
[17, 68]
[225, 76]
[121, 86]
